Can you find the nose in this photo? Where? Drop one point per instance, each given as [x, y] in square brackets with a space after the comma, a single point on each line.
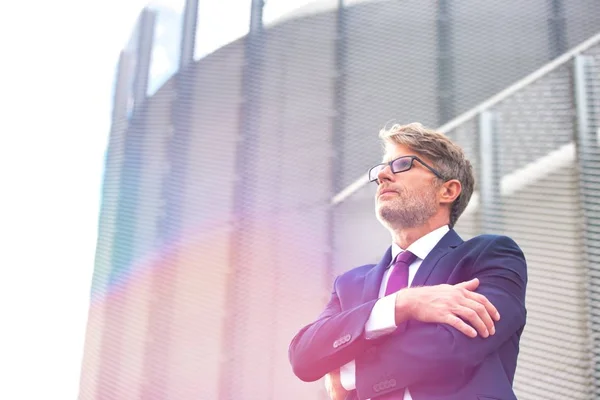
[385, 174]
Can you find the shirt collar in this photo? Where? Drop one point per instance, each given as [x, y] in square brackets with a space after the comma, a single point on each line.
[422, 246]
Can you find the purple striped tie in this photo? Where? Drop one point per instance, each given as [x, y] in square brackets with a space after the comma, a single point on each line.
[399, 275]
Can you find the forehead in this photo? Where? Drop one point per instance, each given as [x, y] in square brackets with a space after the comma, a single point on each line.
[393, 151]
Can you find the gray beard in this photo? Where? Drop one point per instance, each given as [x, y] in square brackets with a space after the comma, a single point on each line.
[406, 211]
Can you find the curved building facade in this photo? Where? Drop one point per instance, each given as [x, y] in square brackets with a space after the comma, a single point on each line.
[222, 225]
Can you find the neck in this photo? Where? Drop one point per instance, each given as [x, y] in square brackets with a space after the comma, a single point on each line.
[404, 237]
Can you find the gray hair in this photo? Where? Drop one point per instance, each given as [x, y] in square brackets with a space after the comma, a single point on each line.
[448, 158]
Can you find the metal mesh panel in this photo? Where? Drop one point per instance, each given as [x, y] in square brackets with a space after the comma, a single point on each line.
[554, 359]
[494, 44]
[587, 94]
[377, 93]
[219, 238]
[539, 207]
[466, 136]
[98, 324]
[536, 121]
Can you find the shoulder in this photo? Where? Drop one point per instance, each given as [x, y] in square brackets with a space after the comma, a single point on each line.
[491, 242]
[354, 275]
[493, 251]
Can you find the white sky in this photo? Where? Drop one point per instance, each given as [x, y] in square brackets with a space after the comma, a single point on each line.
[56, 79]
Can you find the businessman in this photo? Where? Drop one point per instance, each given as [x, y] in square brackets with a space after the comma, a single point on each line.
[438, 317]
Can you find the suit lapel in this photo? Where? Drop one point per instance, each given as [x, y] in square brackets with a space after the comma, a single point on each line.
[447, 243]
[373, 278]
[372, 282]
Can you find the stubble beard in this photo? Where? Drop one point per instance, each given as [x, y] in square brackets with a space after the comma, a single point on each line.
[406, 210]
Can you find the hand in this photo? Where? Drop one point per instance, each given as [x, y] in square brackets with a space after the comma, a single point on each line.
[449, 304]
[333, 384]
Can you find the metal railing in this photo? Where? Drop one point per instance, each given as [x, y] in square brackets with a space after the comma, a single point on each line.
[488, 104]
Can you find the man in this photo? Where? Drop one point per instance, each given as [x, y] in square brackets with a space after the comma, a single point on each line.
[437, 317]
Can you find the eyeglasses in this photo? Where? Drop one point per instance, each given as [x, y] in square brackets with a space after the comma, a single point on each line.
[400, 164]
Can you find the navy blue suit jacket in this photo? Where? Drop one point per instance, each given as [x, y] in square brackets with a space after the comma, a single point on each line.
[435, 361]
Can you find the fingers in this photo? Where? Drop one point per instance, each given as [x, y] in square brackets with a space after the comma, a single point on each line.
[473, 319]
[460, 307]
[492, 311]
[479, 312]
[469, 285]
[477, 315]
[461, 325]
[334, 386]
[329, 386]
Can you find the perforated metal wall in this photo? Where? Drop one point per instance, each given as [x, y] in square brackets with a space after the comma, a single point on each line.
[233, 196]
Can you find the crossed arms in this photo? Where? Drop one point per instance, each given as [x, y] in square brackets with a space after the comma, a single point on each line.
[432, 334]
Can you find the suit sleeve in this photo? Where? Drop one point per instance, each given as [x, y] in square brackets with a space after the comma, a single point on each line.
[426, 352]
[334, 339]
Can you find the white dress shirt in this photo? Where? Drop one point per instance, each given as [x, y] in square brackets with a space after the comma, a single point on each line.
[382, 320]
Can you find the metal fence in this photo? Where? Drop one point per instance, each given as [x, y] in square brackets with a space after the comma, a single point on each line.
[236, 193]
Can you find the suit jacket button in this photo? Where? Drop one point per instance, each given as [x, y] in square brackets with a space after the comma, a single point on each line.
[336, 344]
[392, 382]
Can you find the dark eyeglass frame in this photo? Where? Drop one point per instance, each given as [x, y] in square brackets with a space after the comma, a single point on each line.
[410, 165]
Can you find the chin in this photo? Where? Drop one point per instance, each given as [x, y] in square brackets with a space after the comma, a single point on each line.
[383, 215]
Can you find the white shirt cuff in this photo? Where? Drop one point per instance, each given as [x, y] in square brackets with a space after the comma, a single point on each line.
[382, 320]
[348, 376]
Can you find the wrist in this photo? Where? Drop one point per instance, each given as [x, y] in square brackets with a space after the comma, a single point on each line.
[403, 309]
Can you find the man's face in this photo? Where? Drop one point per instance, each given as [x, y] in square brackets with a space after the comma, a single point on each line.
[405, 199]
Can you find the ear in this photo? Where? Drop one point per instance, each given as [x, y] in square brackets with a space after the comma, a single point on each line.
[449, 191]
